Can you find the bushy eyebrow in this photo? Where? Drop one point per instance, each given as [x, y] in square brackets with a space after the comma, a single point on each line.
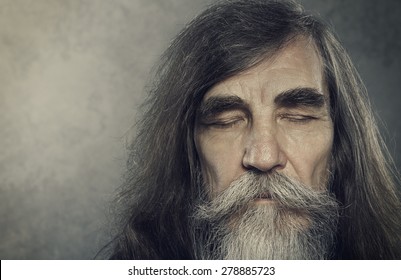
[217, 104]
[308, 97]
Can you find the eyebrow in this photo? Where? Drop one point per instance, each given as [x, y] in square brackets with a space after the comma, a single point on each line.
[308, 97]
[217, 104]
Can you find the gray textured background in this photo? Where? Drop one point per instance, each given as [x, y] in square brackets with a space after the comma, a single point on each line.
[72, 74]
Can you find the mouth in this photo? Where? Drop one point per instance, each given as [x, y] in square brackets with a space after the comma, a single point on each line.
[263, 198]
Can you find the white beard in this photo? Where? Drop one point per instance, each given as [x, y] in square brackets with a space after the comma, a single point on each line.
[297, 227]
[264, 233]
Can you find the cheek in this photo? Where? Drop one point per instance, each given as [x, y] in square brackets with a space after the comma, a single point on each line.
[220, 160]
[322, 169]
[309, 156]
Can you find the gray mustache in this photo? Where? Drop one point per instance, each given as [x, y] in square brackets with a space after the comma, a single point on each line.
[286, 193]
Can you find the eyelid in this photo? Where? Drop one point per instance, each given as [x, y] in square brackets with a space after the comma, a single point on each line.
[302, 118]
[223, 122]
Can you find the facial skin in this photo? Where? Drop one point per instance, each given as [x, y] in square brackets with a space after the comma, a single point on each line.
[272, 117]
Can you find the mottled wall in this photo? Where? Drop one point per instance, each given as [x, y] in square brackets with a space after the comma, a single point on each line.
[72, 74]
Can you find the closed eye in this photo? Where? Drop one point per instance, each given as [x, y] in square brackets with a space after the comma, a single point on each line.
[223, 123]
[298, 118]
[222, 112]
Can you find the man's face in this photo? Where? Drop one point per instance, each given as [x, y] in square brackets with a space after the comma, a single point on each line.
[264, 139]
[273, 117]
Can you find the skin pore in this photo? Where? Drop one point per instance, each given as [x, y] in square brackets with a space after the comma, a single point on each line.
[272, 117]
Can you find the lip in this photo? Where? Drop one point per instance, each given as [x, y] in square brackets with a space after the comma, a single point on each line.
[263, 198]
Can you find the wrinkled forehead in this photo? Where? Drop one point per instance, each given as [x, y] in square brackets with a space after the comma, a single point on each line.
[299, 58]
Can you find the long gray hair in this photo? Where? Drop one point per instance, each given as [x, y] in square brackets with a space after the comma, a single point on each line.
[226, 39]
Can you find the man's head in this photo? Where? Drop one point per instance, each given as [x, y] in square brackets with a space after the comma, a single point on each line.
[258, 96]
[270, 121]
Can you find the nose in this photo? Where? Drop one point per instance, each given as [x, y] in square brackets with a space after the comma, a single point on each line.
[263, 151]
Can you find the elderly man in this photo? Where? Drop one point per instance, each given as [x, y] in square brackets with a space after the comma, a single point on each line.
[258, 143]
